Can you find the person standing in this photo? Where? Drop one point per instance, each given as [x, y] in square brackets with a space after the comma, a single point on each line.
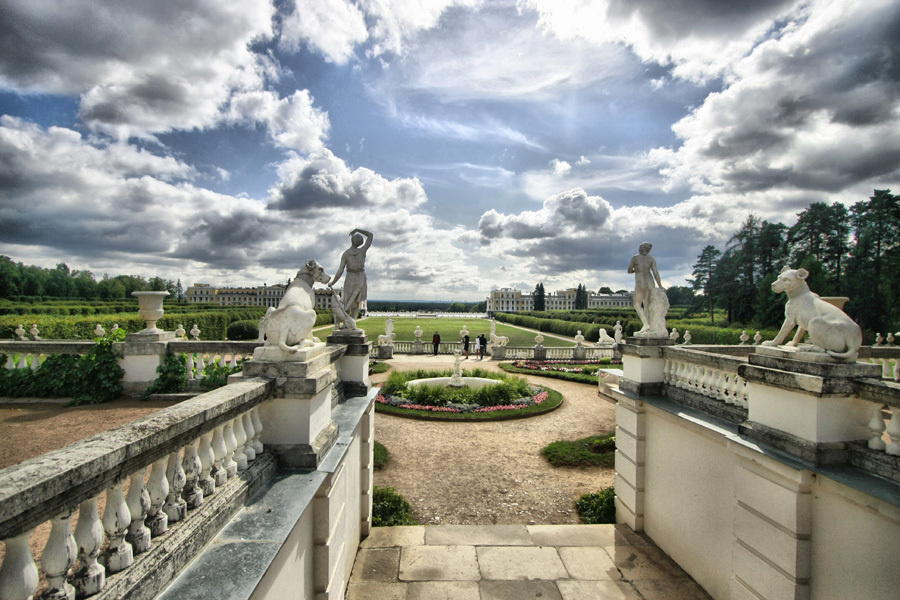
[478, 346]
[483, 346]
[436, 340]
[466, 345]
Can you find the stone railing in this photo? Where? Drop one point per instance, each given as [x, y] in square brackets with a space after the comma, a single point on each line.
[201, 455]
[202, 353]
[25, 354]
[706, 378]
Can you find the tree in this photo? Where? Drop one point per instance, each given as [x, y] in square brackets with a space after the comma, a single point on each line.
[539, 297]
[179, 292]
[703, 278]
[581, 297]
[822, 232]
[680, 295]
[10, 278]
[606, 290]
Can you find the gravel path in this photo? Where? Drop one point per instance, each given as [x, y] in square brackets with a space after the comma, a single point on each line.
[486, 473]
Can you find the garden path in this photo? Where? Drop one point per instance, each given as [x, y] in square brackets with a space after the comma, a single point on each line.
[492, 472]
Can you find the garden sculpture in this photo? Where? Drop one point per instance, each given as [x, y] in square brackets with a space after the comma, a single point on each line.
[830, 329]
[650, 302]
[289, 326]
[353, 260]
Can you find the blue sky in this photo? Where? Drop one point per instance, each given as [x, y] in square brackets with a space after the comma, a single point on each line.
[484, 143]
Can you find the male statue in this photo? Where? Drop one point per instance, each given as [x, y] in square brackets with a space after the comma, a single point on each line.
[645, 273]
[354, 260]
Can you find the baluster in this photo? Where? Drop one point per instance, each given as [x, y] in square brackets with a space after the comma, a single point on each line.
[116, 520]
[207, 458]
[192, 494]
[158, 488]
[190, 367]
[679, 374]
[886, 369]
[23, 362]
[897, 370]
[257, 428]
[36, 362]
[240, 438]
[876, 426]
[231, 467]
[58, 557]
[19, 574]
[249, 450]
[91, 576]
[703, 383]
[138, 501]
[10, 363]
[175, 506]
[893, 430]
[717, 384]
[220, 452]
[222, 362]
[743, 393]
[201, 366]
[233, 363]
[666, 365]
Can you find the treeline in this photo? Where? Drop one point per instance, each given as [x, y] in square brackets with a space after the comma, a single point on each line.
[851, 252]
[425, 306]
[31, 283]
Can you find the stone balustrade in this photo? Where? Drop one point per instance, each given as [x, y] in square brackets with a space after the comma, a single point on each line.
[29, 355]
[159, 478]
[202, 353]
[704, 378]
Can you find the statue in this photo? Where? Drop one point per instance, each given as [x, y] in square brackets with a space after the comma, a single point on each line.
[418, 333]
[289, 327]
[830, 329]
[617, 335]
[388, 338]
[650, 302]
[354, 261]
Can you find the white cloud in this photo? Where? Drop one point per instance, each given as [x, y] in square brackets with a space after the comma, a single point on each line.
[292, 122]
[560, 167]
[333, 27]
[583, 161]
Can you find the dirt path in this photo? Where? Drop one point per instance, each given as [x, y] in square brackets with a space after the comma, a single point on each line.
[485, 473]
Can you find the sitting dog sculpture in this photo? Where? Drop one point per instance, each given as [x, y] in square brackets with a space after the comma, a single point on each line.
[830, 329]
[290, 325]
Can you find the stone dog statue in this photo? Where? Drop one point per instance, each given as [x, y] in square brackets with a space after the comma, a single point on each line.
[830, 329]
[290, 325]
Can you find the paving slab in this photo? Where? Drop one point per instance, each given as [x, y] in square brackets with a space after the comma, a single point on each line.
[443, 590]
[381, 565]
[644, 562]
[520, 563]
[591, 563]
[375, 591]
[671, 589]
[439, 563]
[572, 589]
[519, 590]
[478, 535]
[572, 535]
[388, 537]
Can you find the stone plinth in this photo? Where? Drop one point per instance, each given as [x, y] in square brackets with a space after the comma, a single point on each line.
[386, 352]
[498, 352]
[540, 353]
[806, 408]
[142, 353]
[276, 354]
[353, 366]
[297, 422]
[642, 365]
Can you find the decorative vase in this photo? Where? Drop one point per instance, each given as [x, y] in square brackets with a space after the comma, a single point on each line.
[150, 309]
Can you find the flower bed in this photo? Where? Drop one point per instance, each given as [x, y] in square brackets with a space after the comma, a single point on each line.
[582, 371]
[510, 398]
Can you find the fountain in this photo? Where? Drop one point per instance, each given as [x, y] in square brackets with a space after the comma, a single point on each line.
[457, 380]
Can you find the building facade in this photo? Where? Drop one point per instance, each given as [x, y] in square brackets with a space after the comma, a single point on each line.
[264, 295]
[512, 300]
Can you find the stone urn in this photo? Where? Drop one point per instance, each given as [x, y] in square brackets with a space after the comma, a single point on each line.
[150, 309]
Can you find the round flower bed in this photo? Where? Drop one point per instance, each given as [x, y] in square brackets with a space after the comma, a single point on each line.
[511, 398]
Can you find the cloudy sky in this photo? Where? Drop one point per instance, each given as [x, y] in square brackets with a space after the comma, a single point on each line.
[485, 143]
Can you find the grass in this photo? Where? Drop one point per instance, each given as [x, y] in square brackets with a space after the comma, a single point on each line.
[575, 377]
[381, 456]
[592, 451]
[449, 330]
[550, 404]
[378, 367]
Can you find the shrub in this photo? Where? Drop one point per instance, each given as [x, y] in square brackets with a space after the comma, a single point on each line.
[171, 376]
[381, 456]
[598, 508]
[243, 330]
[390, 509]
[593, 451]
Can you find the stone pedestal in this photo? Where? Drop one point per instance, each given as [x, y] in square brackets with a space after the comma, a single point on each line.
[805, 407]
[386, 352]
[353, 366]
[642, 365]
[297, 422]
[142, 353]
[498, 352]
[540, 353]
[418, 347]
[579, 352]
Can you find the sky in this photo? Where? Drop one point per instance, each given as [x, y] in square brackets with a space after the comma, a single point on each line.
[485, 144]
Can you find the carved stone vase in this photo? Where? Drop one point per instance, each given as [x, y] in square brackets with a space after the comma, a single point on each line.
[150, 309]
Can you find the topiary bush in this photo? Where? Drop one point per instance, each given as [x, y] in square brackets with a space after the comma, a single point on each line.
[598, 508]
[390, 509]
[243, 330]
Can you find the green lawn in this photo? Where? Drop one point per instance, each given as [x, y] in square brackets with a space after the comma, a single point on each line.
[449, 330]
